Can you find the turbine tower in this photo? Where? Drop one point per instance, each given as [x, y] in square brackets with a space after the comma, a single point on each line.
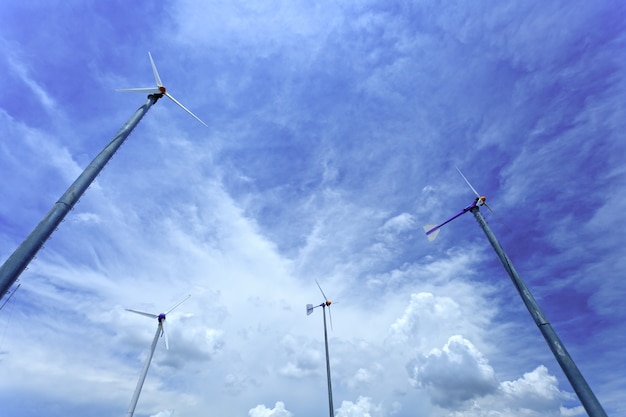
[571, 371]
[26, 251]
[309, 310]
[161, 330]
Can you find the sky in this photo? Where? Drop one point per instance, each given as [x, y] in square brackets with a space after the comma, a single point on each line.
[334, 130]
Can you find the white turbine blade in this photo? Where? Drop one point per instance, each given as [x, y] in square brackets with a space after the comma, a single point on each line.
[331, 318]
[433, 235]
[164, 327]
[318, 286]
[309, 309]
[179, 303]
[152, 316]
[156, 73]
[468, 183]
[497, 217]
[151, 90]
[185, 108]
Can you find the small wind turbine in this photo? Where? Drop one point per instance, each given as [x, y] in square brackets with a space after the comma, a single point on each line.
[432, 230]
[159, 90]
[161, 331]
[26, 251]
[309, 310]
[571, 371]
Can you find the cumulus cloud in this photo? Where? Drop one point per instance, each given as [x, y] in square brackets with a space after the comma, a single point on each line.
[535, 394]
[364, 407]
[536, 390]
[303, 359]
[456, 373]
[262, 411]
[423, 318]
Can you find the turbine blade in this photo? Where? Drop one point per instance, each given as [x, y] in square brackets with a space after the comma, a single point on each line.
[185, 108]
[468, 183]
[309, 309]
[164, 328]
[331, 318]
[156, 73]
[318, 286]
[497, 217]
[152, 316]
[179, 303]
[151, 90]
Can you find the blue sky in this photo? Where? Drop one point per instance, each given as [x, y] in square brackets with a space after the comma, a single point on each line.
[334, 132]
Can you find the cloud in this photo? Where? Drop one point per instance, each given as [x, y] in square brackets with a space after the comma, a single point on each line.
[535, 394]
[304, 357]
[429, 320]
[262, 411]
[363, 407]
[536, 390]
[454, 374]
[164, 413]
[44, 97]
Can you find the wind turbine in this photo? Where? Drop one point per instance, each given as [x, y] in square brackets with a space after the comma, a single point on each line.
[161, 331]
[159, 90]
[309, 310]
[26, 251]
[571, 371]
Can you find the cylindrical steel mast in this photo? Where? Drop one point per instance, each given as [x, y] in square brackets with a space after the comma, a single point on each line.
[330, 388]
[21, 257]
[144, 372]
[576, 379]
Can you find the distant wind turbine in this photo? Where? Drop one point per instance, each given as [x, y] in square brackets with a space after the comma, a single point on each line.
[309, 310]
[573, 374]
[26, 251]
[161, 331]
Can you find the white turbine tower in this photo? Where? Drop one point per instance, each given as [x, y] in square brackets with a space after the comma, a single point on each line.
[161, 330]
[309, 310]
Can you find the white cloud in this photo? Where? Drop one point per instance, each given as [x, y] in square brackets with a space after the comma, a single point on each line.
[303, 358]
[363, 407]
[164, 413]
[537, 390]
[36, 88]
[262, 411]
[429, 320]
[456, 373]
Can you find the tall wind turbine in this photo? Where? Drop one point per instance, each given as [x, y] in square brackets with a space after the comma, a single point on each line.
[161, 331]
[571, 371]
[309, 310]
[26, 251]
